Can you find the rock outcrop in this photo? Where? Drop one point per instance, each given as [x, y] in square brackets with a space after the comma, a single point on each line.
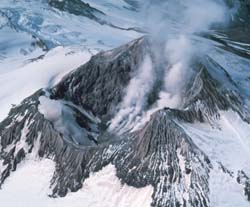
[160, 153]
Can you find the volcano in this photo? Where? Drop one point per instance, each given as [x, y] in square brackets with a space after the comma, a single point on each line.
[152, 122]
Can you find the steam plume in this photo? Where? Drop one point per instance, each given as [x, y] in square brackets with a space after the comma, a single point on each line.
[176, 23]
[135, 98]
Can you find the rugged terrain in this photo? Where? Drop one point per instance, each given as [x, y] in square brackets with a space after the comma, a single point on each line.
[174, 122]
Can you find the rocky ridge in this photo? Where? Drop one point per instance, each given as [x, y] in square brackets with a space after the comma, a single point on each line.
[160, 153]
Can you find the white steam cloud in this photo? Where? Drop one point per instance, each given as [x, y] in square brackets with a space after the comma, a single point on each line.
[135, 98]
[194, 16]
[175, 23]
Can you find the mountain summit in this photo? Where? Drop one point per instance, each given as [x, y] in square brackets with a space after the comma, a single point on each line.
[162, 120]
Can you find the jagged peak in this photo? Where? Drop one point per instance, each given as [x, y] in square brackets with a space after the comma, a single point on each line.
[160, 154]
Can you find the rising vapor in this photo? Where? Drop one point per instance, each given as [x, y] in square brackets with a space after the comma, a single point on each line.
[176, 27]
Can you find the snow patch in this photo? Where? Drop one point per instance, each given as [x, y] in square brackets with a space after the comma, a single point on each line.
[21, 82]
[225, 191]
[226, 144]
[29, 186]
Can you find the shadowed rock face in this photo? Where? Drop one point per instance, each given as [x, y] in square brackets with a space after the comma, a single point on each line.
[211, 90]
[76, 7]
[99, 84]
[171, 162]
[243, 10]
[79, 8]
[160, 154]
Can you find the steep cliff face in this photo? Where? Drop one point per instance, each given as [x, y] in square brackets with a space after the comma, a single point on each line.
[99, 84]
[161, 153]
[212, 89]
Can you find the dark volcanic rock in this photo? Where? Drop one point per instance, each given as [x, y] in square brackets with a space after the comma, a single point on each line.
[242, 8]
[245, 181]
[211, 89]
[99, 84]
[160, 154]
[79, 8]
[76, 7]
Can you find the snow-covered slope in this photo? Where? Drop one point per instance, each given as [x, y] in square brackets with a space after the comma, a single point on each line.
[43, 72]
[102, 189]
[228, 146]
[159, 121]
[55, 27]
[28, 29]
[177, 151]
